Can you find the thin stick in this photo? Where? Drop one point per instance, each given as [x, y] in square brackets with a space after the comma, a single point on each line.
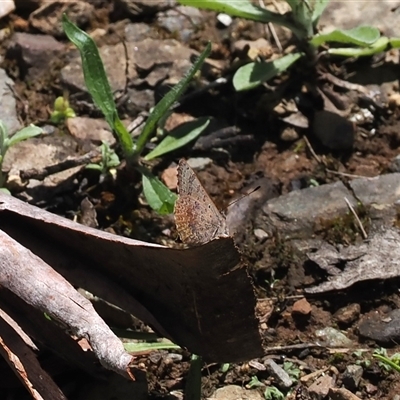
[347, 175]
[312, 150]
[365, 236]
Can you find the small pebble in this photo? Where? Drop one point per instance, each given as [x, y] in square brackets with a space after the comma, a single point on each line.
[224, 19]
[301, 307]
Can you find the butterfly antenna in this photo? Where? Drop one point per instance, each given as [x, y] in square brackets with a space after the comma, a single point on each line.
[243, 196]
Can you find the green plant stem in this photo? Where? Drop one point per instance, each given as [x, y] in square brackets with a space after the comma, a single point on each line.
[387, 361]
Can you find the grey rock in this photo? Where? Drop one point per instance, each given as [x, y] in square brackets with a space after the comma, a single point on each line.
[282, 378]
[352, 376]
[331, 337]
[381, 196]
[138, 31]
[34, 52]
[48, 17]
[295, 214]
[139, 100]
[8, 112]
[181, 21]
[135, 8]
[381, 328]
[241, 213]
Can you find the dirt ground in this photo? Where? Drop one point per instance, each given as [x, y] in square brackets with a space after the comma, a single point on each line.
[262, 150]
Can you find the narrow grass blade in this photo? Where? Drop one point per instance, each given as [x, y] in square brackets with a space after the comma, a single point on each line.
[97, 82]
[141, 347]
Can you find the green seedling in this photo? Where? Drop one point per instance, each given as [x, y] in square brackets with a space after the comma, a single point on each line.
[361, 359]
[254, 383]
[62, 110]
[7, 141]
[292, 370]
[302, 21]
[109, 160]
[273, 393]
[386, 362]
[158, 196]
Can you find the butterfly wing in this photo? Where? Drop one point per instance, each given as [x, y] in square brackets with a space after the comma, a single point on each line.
[197, 218]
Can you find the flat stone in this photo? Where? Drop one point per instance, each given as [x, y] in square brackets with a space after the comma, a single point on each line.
[295, 214]
[34, 51]
[233, 392]
[39, 153]
[8, 112]
[281, 377]
[90, 130]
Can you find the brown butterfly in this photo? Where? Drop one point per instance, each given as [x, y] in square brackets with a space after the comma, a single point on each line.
[198, 220]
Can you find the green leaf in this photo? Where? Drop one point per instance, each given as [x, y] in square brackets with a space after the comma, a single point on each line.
[179, 137]
[97, 82]
[25, 133]
[159, 197]
[360, 36]
[382, 44]
[245, 9]
[5, 191]
[168, 100]
[319, 7]
[254, 74]
[140, 347]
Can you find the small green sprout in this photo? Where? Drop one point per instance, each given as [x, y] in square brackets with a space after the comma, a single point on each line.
[361, 359]
[7, 141]
[254, 382]
[109, 160]
[62, 110]
[292, 370]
